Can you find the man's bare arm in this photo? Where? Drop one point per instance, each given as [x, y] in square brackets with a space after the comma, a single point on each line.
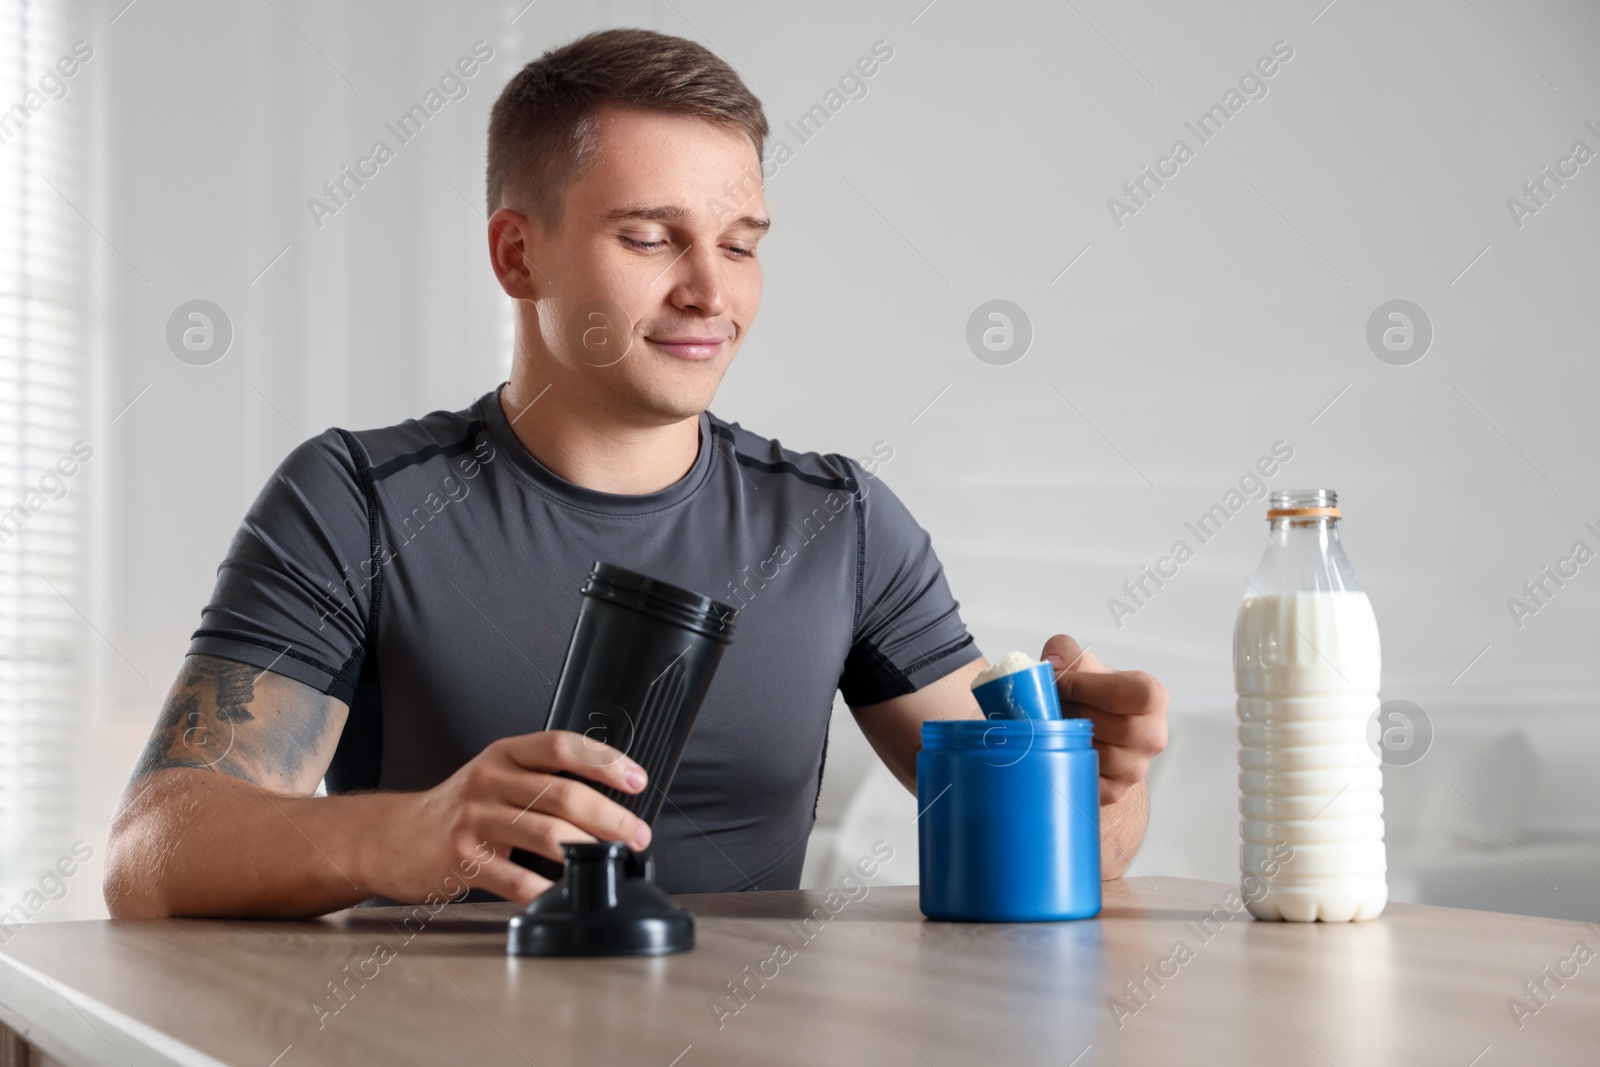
[239, 720]
[894, 727]
[219, 820]
[1122, 826]
[218, 817]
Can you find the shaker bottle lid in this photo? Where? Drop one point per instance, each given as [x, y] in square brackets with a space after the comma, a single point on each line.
[606, 904]
[620, 585]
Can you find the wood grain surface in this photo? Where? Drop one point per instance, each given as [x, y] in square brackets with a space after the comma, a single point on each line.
[873, 983]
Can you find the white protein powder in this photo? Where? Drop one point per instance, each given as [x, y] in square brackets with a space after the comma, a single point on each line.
[1010, 663]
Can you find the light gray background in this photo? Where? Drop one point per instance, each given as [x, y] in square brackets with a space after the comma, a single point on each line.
[1224, 316]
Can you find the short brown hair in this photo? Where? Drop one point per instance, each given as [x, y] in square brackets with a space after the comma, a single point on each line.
[542, 131]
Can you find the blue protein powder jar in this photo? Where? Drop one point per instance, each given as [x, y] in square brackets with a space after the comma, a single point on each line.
[1010, 824]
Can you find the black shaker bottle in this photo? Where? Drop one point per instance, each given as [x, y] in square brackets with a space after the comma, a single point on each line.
[642, 656]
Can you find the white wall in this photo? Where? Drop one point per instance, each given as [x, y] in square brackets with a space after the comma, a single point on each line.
[1222, 317]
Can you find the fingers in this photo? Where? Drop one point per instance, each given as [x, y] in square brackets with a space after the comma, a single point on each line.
[511, 880]
[1083, 679]
[1127, 741]
[1069, 656]
[577, 803]
[1128, 709]
[1142, 733]
[580, 754]
[543, 834]
[1117, 692]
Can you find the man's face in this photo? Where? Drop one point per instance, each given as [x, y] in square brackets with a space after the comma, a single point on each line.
[662, 230]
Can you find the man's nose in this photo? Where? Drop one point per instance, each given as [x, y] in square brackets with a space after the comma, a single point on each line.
[697, 283]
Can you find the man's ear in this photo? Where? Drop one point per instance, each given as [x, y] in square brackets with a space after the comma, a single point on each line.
[512, 243]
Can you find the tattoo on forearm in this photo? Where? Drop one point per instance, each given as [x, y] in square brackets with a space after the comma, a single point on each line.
[208, 723]
[235, 686]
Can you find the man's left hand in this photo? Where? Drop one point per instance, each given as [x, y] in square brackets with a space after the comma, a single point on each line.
[1128, 709]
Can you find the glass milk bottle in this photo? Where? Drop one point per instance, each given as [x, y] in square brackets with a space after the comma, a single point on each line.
[1306, 665]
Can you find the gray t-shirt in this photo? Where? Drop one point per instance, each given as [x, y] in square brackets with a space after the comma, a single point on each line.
[428, 574]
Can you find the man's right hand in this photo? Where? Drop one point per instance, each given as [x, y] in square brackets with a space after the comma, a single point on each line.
[220, 817]
[508, 796]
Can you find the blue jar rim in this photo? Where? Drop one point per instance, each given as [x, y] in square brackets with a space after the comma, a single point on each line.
[976, 735]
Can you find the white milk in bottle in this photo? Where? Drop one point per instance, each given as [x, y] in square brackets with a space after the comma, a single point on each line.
[1306, 665]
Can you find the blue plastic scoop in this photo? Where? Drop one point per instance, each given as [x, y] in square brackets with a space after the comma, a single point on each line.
[1026, 694]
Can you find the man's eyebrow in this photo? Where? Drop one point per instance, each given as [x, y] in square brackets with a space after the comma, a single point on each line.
[674, 213]
[649, 212]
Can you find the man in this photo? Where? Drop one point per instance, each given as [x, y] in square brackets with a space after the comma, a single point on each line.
[396, 605]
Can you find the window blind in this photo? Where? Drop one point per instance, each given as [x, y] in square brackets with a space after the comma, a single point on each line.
[42, 396]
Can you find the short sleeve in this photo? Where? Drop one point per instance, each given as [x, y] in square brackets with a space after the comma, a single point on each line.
[908, 630]
[293, 593]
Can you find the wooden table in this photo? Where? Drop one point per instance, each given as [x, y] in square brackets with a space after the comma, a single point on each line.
[873, 984]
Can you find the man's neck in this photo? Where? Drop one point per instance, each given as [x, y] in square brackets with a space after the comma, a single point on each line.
[595, 448]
